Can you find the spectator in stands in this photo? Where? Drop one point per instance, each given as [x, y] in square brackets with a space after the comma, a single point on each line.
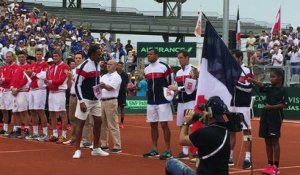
[128, 46]
[31, 47]
[277, 58]
[294, 55]
[141, 87]
[264, 36]
[250, 45]
[273, 42]
[262, 45]
[131, 87]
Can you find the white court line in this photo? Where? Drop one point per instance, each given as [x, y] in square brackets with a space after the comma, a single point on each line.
[247, 171]
[22, 151]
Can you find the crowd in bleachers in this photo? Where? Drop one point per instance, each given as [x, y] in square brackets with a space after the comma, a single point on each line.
[278, 49]
[28, 29]
[32, 34]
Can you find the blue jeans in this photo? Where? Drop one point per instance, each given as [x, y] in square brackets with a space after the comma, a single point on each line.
[295, 70]
[176, 167]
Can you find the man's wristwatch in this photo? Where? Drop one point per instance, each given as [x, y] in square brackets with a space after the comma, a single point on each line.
[185, 123]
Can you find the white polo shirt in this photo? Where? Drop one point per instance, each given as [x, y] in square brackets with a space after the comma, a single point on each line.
[276, 59]
[114, 80]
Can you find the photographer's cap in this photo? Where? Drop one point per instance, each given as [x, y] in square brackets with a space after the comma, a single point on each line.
[168, 94]
[218, 108]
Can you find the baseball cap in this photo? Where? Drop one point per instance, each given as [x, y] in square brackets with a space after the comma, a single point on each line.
[218, 108]
[50, 60]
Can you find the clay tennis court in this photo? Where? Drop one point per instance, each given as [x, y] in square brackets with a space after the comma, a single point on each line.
[38, 158]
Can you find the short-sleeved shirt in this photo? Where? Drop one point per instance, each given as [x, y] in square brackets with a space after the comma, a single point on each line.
[207, 140]
[142, 89]
[276, 58]
[114, 80]
[275, 95]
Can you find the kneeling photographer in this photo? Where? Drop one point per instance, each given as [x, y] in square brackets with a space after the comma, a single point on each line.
[212, 141]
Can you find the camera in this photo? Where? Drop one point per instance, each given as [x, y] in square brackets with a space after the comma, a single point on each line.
[195, 117]
[233, 124]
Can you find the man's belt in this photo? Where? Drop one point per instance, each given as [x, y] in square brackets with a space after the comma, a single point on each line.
[106, 99]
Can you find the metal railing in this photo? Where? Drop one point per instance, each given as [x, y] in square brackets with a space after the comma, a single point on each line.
[291, 74]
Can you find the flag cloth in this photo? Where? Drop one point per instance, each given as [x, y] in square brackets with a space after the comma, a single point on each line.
[198, 28]
[277, 25]
[219, 71]
[238, 30]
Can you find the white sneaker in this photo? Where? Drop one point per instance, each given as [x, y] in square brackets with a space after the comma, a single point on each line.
[77, 154]
[99, 152]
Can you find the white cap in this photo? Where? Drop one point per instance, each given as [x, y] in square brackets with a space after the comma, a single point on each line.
[73, 37]
[32, 40]
[50, 60]
[43, 39]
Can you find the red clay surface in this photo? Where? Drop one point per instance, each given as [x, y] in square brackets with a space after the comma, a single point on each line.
[37, 158]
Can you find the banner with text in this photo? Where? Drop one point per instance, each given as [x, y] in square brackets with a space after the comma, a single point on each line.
[293, 110]
[166, 49]
[136, 105]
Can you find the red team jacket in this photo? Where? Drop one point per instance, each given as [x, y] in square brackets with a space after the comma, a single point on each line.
[36, 68]
[19, 79]
[7, 73]
[59, 77]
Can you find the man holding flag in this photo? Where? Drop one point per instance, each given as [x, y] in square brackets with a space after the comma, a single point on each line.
[218, 75]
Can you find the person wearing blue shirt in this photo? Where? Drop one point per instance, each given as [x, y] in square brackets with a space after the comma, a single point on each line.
[141, 87]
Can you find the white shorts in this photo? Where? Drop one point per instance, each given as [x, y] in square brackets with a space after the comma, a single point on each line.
[20, 102]
[6, 101]
[57, 101]
[180, 111]
[93, 109]
[159, 113]
[37, 99]
[246, 111]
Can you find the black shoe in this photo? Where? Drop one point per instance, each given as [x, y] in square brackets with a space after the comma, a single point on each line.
[12, 134]
[181, 155]
[19, 133]
[116, 150]
[26, 132]
[104, 148]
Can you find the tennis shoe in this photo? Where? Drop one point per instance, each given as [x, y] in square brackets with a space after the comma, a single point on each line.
[99, 152]
[151, 153]
[77, 154]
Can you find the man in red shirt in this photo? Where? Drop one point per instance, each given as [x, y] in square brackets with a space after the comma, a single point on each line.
[6, 98]
[37, 95]
[20, 88]
[56, 80]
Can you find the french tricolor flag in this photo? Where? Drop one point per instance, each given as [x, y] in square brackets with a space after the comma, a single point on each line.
[238, 30]
[219, 71]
